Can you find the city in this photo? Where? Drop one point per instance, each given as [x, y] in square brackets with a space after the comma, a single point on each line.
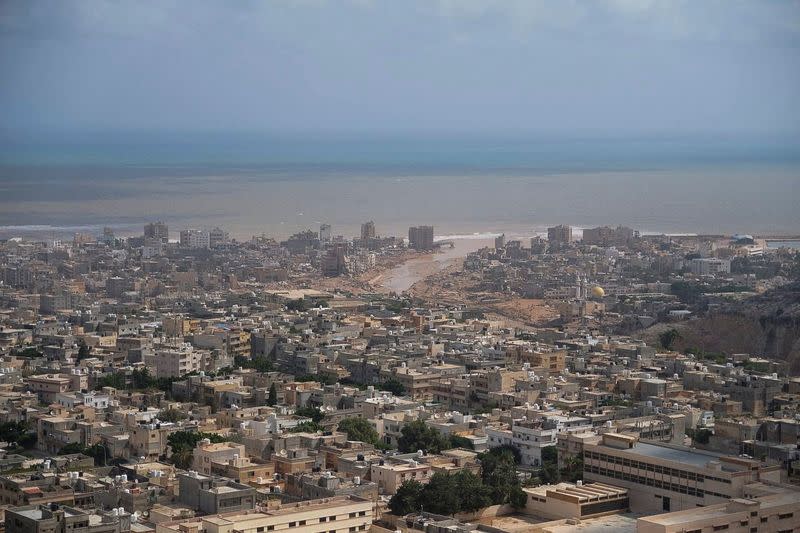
[153, 383]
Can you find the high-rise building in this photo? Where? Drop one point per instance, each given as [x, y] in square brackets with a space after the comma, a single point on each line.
[607, 236]
[157, 230]
[218, 237]
[559, 234]
[420, 237]
[195, 238]
[500, 241]
[367, 231]
[325, 232]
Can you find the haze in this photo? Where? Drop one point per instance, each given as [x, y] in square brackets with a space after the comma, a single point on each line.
[562, 66]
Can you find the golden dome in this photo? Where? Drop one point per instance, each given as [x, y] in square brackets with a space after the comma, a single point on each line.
[598, 292]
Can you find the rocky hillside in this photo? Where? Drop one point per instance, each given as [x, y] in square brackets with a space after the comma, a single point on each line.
[767, 324]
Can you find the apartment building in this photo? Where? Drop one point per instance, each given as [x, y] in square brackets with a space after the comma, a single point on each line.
[529, 439]
[62, 519]
[663, 478]
[339, 514]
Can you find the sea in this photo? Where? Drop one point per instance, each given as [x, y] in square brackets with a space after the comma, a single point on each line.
[53, 186]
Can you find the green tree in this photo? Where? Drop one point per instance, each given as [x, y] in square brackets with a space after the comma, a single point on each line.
[457, 441]
[172, 415]
[306, 427]
[472, 493]
[272, 397]
[668, 338]
[407, 499]
[19, 433]
[393, 386]
[310, 412]
[258, 363]
[359, 429]
[83, 351]
[183, 444]
[72, 447]
[418, 435]
[499, 472]
[518, 498]
[440, 495]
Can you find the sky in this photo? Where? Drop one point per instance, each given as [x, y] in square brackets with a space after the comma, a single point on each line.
[569, 66]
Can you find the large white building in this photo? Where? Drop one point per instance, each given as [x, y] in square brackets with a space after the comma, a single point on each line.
[195, 238]
[710, 267]
[529, 440]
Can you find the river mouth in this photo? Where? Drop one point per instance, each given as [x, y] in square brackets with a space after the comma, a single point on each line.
[402, 277]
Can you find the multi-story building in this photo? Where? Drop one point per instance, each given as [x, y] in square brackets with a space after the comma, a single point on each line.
[213, 495]
[208, 452]
[339, 514]
[661, 477]
[389, 475]
[559, 235]
[367, 231]
[63, 519]
[705, 266]
[529, 439]
[420, 238]
[195, 238]
[176, 361]
[157, 230]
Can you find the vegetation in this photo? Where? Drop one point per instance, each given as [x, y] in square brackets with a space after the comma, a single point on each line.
[418, 435]
[407, 499]
[714, 357]
[306, 427]
[393, 386]
[272, 397]
[139, 379]
[18, 433]
[499, 473]
[668, 338]
[83, 351]
[457, 441]
[313, 413]
[444, 494]
[29, 353]
[686, 292]
[359, 429]
[302, 304]
[97, 451]
[319, 378]
[258, 363]
[702, 436]
[172, 415]
[183, 444]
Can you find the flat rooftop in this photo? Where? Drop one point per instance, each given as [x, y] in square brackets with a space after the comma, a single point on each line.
[691, 457]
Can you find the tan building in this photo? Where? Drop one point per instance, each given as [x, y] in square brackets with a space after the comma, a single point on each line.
[339, 514]
[664, 478]
[48, 386]
[207, 453]
[775, 512]
[390, 475]
[567, 500]
[244, 470]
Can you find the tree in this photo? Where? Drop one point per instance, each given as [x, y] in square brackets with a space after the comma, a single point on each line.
[359, 429]
[472, 493]
[407, 499]
[172, 415]
[183, 444]
[499, 473]
[393, 386]
[457, 441]
[668, 338]
[272, 398]
[550, 472]
[19, 433]
[306, 427]
[518, 498]
[310, 412]
[83, 350]
[418, 435]
[72, 447]
[440, 495]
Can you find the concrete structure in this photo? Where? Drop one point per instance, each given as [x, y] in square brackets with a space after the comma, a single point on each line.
[710, 267]
[559, 235]
[567, 500]
[667, 478]
[420, 238]
[775, 512]
[213, 494]
[157, 230]
[195, 238]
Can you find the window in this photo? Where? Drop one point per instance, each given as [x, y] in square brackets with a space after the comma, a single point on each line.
[332, 518]
[260, 529]
[352, 515]
[785, 515]
[323, 519]
[301, 523]
[352, 529]
[292, 524]
[270, 528]
[721, 528]
[362, 513]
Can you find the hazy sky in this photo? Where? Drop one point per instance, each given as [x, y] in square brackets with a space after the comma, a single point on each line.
[462, 65]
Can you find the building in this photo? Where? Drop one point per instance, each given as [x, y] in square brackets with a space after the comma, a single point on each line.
[213, 495]
[218, 237]
[367, 231]
[663, 478]
[325, 234]
[176, 361]
[389, 475]
[704, 266]
[608, 236]
[206, 453]
[528, 439]
[339, 514]
[567, 500]
[773, 512]
[420, 238]
[195, 238]
[63, 519]
[156, 230]
[559, 235]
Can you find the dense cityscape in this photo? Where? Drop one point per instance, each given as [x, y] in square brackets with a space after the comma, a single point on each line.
[594, 380]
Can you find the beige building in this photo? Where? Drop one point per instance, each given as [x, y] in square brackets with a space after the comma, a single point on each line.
[207, 453]
[390, 475]
[774, 513]
[664, 478]
[567, 500]
[339, 514]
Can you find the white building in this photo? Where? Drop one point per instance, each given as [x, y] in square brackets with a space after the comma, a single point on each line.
[195, 238]
[178, 361]
[710, 267]
[529, 440]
